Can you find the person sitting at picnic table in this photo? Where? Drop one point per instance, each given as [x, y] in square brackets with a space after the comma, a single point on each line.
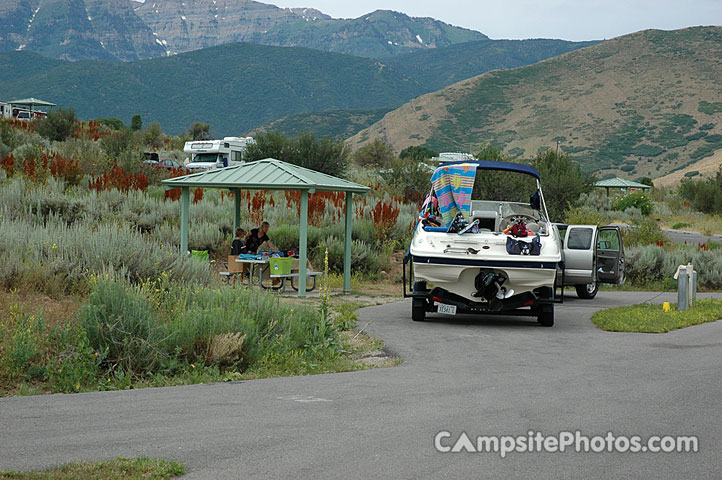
[237, 247]
[257, 237]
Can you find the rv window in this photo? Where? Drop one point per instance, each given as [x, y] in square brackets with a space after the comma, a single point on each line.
[198, 146]
[235, 156]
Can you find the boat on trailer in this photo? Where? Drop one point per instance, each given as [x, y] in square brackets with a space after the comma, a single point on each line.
[483, 256]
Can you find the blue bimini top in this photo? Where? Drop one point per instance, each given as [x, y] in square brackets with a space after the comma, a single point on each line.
[506, 166]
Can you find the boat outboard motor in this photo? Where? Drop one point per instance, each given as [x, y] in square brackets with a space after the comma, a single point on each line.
[488, 285]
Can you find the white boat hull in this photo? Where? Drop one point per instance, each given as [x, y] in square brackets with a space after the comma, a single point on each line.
[452, 262]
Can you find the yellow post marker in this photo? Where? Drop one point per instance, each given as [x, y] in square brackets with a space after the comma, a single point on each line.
[666, 307]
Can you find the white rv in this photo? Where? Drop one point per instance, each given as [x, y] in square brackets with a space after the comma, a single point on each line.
[6, 110]
[208, 154]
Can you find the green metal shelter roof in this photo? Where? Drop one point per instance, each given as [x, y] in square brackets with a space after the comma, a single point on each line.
[33, 102]
[268, 174]
[620, 183]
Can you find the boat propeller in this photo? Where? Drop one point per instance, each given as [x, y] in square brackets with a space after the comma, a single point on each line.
[489, 286]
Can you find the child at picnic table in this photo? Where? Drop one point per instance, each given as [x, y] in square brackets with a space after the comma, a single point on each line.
[237, 247]
[257, 237]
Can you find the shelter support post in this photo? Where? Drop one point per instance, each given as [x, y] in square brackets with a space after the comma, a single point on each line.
[347, 244]
[236, 209]
[185, 207]
[303, 245]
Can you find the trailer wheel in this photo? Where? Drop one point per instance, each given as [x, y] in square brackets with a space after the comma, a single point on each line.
[546, 316]
[587, 291]
[418, 305]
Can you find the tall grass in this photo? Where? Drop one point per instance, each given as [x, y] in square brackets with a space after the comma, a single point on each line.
[57, 258]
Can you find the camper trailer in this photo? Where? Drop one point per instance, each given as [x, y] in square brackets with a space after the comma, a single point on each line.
[6, 110]
[208, 154]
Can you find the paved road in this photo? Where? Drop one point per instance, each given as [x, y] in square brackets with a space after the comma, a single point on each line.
[484, 376]
[691, 238]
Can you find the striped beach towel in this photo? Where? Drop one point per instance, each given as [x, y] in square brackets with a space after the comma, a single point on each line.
[453, 185]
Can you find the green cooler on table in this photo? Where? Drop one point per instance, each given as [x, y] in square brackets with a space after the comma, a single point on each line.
[280, 266]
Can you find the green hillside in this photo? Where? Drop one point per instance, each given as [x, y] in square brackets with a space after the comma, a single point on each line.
[437, 68]
[433, 69]
[233, 87]
[334, 123]
[641, 104]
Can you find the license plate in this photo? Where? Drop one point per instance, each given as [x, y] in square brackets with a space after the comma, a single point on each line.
[447, 309]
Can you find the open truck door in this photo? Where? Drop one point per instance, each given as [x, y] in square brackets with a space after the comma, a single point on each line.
[580, 259]
[610, 255]
[592, 255]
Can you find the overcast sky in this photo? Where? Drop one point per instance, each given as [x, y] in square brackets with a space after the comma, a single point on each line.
[513, 19]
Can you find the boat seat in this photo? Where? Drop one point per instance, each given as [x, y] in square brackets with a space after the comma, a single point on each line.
[488, 219]
[435, 229]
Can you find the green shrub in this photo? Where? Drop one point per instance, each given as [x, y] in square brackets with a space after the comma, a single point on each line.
[418, 153]
[7, 134]
[644, 264]
[638, 200]
[77, 366]
[583, 216]
[59, 124]
[645, 232]
[136, 123]
[153, 135]
[323, 155]
[409, 178]
[650, 263]
[563, 182]
[377, 154]
[24, 345]
[112, 123]
[119, 320]
[705, 195]
[116, 143]
[210, 326]
[363, 259]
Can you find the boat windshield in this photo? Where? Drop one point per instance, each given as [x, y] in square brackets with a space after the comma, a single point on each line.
[503, 186]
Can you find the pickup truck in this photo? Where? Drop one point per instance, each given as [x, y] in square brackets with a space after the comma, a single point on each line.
[592, 255]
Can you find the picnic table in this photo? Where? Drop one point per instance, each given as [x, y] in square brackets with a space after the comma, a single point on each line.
[262, 261]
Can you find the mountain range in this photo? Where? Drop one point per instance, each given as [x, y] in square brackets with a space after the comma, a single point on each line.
[238, 87]
[77, 30]
[185, 25]
[126, 30]
[233, 87]
[643, 104]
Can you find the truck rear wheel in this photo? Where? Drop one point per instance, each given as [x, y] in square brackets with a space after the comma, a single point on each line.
[587, 291]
